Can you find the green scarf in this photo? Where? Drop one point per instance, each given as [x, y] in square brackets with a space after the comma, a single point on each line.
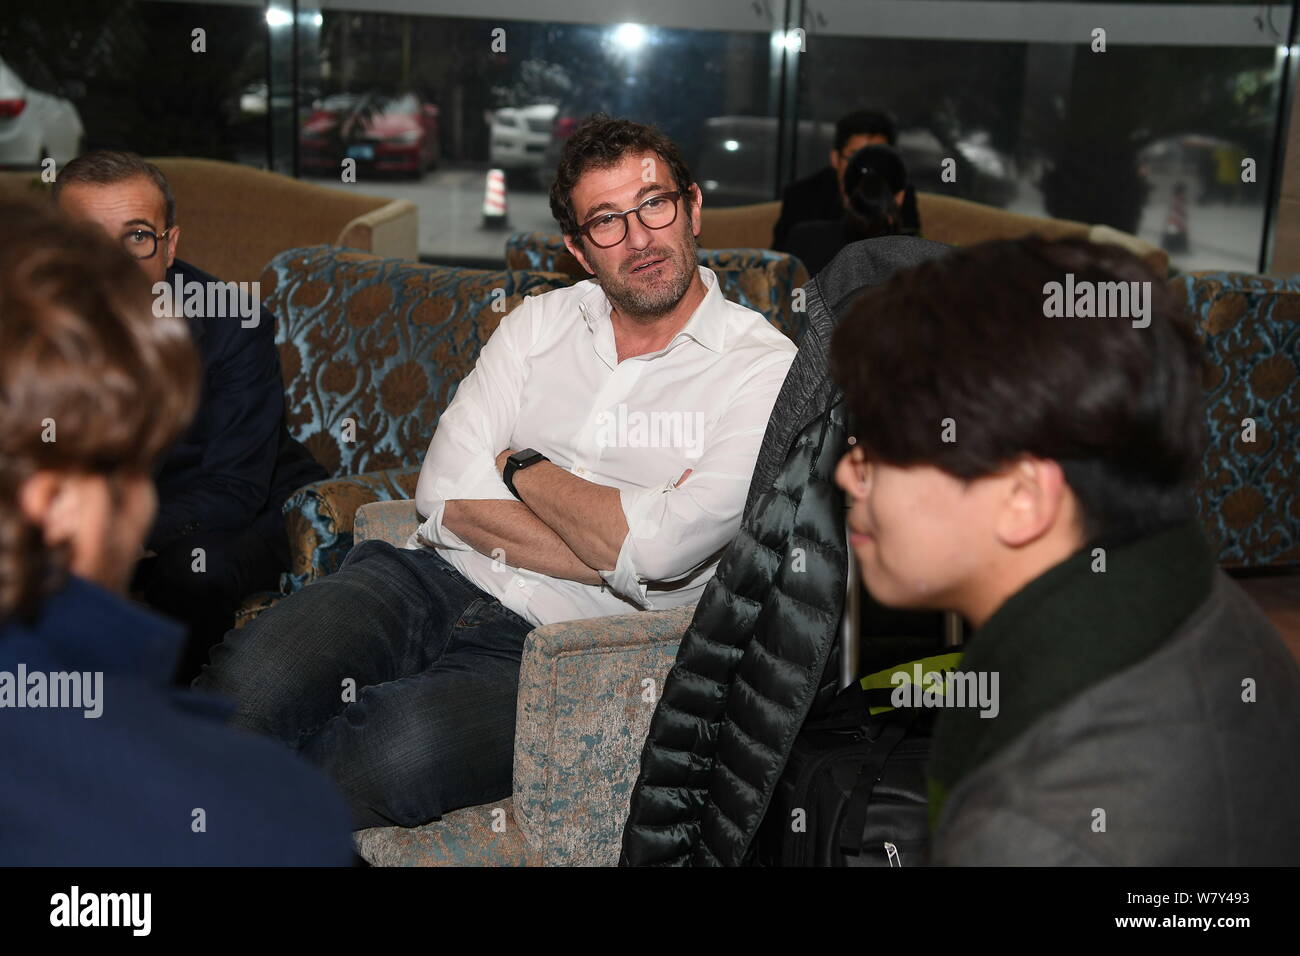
[1066, 630]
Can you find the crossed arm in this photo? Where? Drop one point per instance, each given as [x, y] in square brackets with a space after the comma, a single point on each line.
[524, 539]
[565, 527]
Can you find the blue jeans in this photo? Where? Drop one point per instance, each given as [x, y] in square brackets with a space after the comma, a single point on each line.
[396, 675]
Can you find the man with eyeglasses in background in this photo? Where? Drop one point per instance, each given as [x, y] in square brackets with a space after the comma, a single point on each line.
[595, 462]
[221, 487]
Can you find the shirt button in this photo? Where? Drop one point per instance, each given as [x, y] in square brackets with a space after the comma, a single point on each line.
[521, 582]
[580, 471]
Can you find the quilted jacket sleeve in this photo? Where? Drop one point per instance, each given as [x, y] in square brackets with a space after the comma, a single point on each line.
[669, 801]
[754, 657]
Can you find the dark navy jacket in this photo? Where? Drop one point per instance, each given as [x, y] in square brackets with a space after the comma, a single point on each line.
[122, 788]
[237, 460]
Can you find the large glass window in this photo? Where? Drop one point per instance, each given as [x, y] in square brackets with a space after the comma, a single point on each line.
[1171, 132]
[132, 74]
[427, 105]
[1108, 114]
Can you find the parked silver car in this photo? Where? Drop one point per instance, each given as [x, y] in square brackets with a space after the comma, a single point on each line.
[520, 136]
[34, 125]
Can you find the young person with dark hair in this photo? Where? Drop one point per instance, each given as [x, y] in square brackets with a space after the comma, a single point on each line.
[823, 196]
[539, 504]
[222, 486]
[105, 764]
[875, 186]
[1033, 473]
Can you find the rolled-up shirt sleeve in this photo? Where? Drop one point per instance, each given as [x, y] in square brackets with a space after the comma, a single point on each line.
[673, 529]
[461, 461]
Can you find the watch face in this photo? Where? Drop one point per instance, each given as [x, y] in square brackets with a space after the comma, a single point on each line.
[522, 459]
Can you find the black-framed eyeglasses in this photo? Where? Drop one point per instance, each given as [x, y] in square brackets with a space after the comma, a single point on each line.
[610, 228]
[143, 243]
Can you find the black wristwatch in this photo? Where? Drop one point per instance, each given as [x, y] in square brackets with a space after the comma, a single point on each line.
[517, 462]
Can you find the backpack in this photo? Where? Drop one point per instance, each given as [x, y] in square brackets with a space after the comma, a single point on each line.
[854, 790]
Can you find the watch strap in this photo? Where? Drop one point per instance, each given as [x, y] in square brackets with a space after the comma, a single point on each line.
[517, 462]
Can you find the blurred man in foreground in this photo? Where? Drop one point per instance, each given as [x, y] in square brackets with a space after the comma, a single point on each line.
[106, 764]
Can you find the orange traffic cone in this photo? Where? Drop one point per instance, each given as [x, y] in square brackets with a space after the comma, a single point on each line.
[1175, 234]
[494, 200]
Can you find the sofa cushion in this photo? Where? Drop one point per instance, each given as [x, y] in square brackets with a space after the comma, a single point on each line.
[739, 227]
[961, 222]
[319, 520]
[372, 349]
[1248, 496]
[236, 217]
[542, 252]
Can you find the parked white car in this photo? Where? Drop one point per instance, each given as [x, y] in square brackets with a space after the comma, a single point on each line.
[520, 135]
[34, 125]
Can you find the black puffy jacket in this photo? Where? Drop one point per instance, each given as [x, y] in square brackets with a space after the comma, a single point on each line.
[753, 660]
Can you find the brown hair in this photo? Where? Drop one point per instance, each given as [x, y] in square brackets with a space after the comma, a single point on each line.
[107, 167]
[600, 142]
[968, 337]
[80, 353]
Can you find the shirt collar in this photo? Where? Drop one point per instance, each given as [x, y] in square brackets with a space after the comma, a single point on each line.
[707, 324]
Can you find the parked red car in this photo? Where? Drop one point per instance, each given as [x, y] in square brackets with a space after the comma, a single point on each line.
[398, 134]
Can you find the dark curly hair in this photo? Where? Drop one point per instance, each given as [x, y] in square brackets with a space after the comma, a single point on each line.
[599, 142]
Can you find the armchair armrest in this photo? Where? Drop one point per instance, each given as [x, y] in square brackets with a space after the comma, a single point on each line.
[587, 691]
[319, 520]
[391, 521]
[391, 230]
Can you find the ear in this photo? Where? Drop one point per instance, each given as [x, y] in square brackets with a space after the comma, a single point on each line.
[51, 501]
[171, 246]
[898, 197]
[1037, 500]
[696, 199]
[576, 250]
[834, 158]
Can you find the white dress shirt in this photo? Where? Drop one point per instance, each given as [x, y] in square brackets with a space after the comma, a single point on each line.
[549, 378]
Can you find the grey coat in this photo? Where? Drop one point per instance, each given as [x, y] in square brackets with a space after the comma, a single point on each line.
[1183, 770]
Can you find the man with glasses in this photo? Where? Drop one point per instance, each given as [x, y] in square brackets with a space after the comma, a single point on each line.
[219, 534]
[595, 462]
